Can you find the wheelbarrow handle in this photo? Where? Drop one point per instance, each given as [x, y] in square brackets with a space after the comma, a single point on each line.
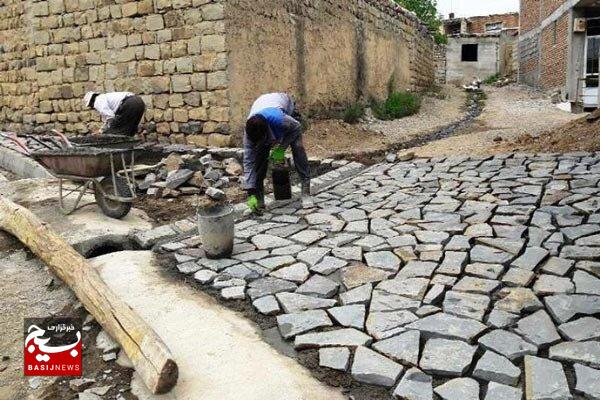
[21, 146]
[62, 137]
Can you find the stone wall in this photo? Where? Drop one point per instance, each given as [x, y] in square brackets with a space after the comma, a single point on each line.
[440, 64]
[199, 63]
[327, 54]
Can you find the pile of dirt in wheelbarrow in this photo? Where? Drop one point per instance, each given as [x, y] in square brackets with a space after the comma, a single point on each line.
[579, 135]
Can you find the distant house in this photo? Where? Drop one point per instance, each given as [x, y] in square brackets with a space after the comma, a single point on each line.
[559, 48]
[479, 47]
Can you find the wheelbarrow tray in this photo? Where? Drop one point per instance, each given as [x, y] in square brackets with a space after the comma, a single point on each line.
[84, 162]
[105, 141]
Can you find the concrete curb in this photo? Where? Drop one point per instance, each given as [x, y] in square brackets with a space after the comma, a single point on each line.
[22, 165]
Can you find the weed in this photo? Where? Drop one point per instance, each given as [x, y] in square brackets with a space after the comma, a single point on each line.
[353, 113]
[397, 105]
[491, 79]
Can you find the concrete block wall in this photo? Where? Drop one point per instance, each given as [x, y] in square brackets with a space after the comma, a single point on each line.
[199, 63]
[458, 71]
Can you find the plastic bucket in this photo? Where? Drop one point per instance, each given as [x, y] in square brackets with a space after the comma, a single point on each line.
[282, 187]
[216, 227]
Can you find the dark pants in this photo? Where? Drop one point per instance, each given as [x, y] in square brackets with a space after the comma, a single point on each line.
[127, 118]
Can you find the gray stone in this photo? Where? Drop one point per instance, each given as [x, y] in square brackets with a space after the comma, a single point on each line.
[215, 194]
[494, 367]
[308, 236]
[266, 305]
[586, 283]
[358, 275]
[147, 239]
[468, 305]
[287, 250]
[319, 286]
[382, 325]
[458, 243]
[588, 381]
[251, 255]
[178, 178]
[402, 348]
[580, 352]
[446, 357]
[512, 246]
[266, 242]
[443, 325]
[531, 258]
[350, 253]
[374, 369]
[384, 301]
[189, 267]
[217, 265]
[348, 337]
[88, 396]
[205, 276]
[385, 260]
[358, 295]
[489, 255]
[518, 300]
[593, 240]
[489, 271]
[545, 380]
[337, 358]
[575, 232]
[518, 277]
[351, 316]
[225, 281]
[266, 286]
[459, 389]
[551, 284]
[294, 302]
[415, 269]
[295, 273]
[328, 265]
[413, 288]
[415, 385]
[431, 236]
[476, 285]
[501, 319]
[313, 255]
[272, 263]
[590, 266]
[233, 293]
[581, 329]
[563, 307]
[353, 214]
[507, 343]
[557, 266]
[402, 241]
[291, 325]
[435, 294]
[497, 391]
[581, 253]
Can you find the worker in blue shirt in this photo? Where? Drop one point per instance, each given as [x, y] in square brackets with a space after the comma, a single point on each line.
[270, 129]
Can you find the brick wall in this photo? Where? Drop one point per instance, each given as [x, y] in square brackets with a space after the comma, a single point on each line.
[554, 51]
[530, 14]
[181, 55]
[477, 24]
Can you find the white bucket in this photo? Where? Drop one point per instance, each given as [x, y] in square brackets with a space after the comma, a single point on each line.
[216, 228]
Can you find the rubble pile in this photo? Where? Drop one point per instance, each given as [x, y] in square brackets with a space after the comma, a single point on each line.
[192, 173]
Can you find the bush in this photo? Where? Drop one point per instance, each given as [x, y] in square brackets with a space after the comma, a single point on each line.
[491, 79]
[398, 105]
[353, 113]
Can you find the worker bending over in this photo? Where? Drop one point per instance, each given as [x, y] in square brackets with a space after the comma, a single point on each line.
[270, 129]
[120, 111]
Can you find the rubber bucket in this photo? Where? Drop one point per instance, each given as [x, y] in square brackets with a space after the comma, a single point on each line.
[282, 187]
[216, 227]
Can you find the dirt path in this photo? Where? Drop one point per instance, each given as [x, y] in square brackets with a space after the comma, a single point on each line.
[509, 112]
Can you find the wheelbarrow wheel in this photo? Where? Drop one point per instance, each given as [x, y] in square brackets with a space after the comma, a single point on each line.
[113, 208]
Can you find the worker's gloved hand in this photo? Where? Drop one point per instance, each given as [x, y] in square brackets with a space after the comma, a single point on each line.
[253, 203]
[278, 155]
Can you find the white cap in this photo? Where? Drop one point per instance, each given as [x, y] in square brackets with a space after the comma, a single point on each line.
[87, 99]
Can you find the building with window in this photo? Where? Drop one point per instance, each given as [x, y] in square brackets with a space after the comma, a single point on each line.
[559, 48]
[479, 47]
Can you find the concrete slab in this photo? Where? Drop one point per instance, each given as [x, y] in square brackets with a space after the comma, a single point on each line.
[220, 354]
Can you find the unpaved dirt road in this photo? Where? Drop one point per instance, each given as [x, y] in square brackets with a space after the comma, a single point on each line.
[509, 112]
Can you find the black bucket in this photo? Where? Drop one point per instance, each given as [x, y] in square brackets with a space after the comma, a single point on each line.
[282, 188]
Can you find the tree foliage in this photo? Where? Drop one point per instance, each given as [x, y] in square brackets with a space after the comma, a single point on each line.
[426, 10]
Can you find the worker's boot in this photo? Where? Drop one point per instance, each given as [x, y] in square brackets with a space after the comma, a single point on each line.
[261, 201]
[305, 196]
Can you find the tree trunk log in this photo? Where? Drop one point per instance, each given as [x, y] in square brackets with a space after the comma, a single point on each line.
[150, 356]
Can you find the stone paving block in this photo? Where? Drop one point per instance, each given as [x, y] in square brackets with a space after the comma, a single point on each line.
[266, 286]
[557, 266]
[518, 277]
[582, 352]
[308, 236]
[446, 357]
[581, 329]
[384, 301]
[266, 305]
[551, 284]
[328, 265]
[358, 295]
[586, 283]
[468, 305]
[415, 385]
[291, 325]
[374, 369]
[402, 348]
[431, 237]
[351, 316]
[476, 285]
[294, 273]
[337, 358]
[507, 343]
[497, 391]
[545, 380]
[489, 255]
[496, 368]
[233, 293]
[273, 263]
[518, 300]
[385, 260]
[382, 325]
[267, 242]
[349, 253]
[348, 337]
[487, 271]
[413, 288]
[448, 326]
[147, 239]
[531, 258]
[319, 286]
[593, 267]
[416, 269]
[294, 302]
[588, 381]
[435, 294]
[563, 307]
[205, 276]
[501, 319]
[459, 389]
[189, 267]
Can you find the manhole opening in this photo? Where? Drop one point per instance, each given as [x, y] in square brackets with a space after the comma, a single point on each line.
[105, 245]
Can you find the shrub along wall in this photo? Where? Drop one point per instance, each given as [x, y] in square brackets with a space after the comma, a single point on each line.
[198, 64]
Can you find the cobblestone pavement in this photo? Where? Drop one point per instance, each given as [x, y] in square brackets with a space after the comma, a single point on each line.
[455, 278]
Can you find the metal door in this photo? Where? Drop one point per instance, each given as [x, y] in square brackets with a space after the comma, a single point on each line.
[592, 64]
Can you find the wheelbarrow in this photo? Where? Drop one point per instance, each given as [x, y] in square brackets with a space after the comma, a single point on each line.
[109, 171]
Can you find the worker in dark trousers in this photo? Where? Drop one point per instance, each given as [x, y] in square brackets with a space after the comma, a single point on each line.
[270, 129]
[120, 111]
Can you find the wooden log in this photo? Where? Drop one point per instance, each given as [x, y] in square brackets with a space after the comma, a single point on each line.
[149, 355]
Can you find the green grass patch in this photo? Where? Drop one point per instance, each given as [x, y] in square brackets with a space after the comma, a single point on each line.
[491, 79]
[353, 114]
[398, 105]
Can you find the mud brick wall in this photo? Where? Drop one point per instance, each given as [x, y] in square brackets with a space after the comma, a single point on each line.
[198, 64]
[326, 53]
